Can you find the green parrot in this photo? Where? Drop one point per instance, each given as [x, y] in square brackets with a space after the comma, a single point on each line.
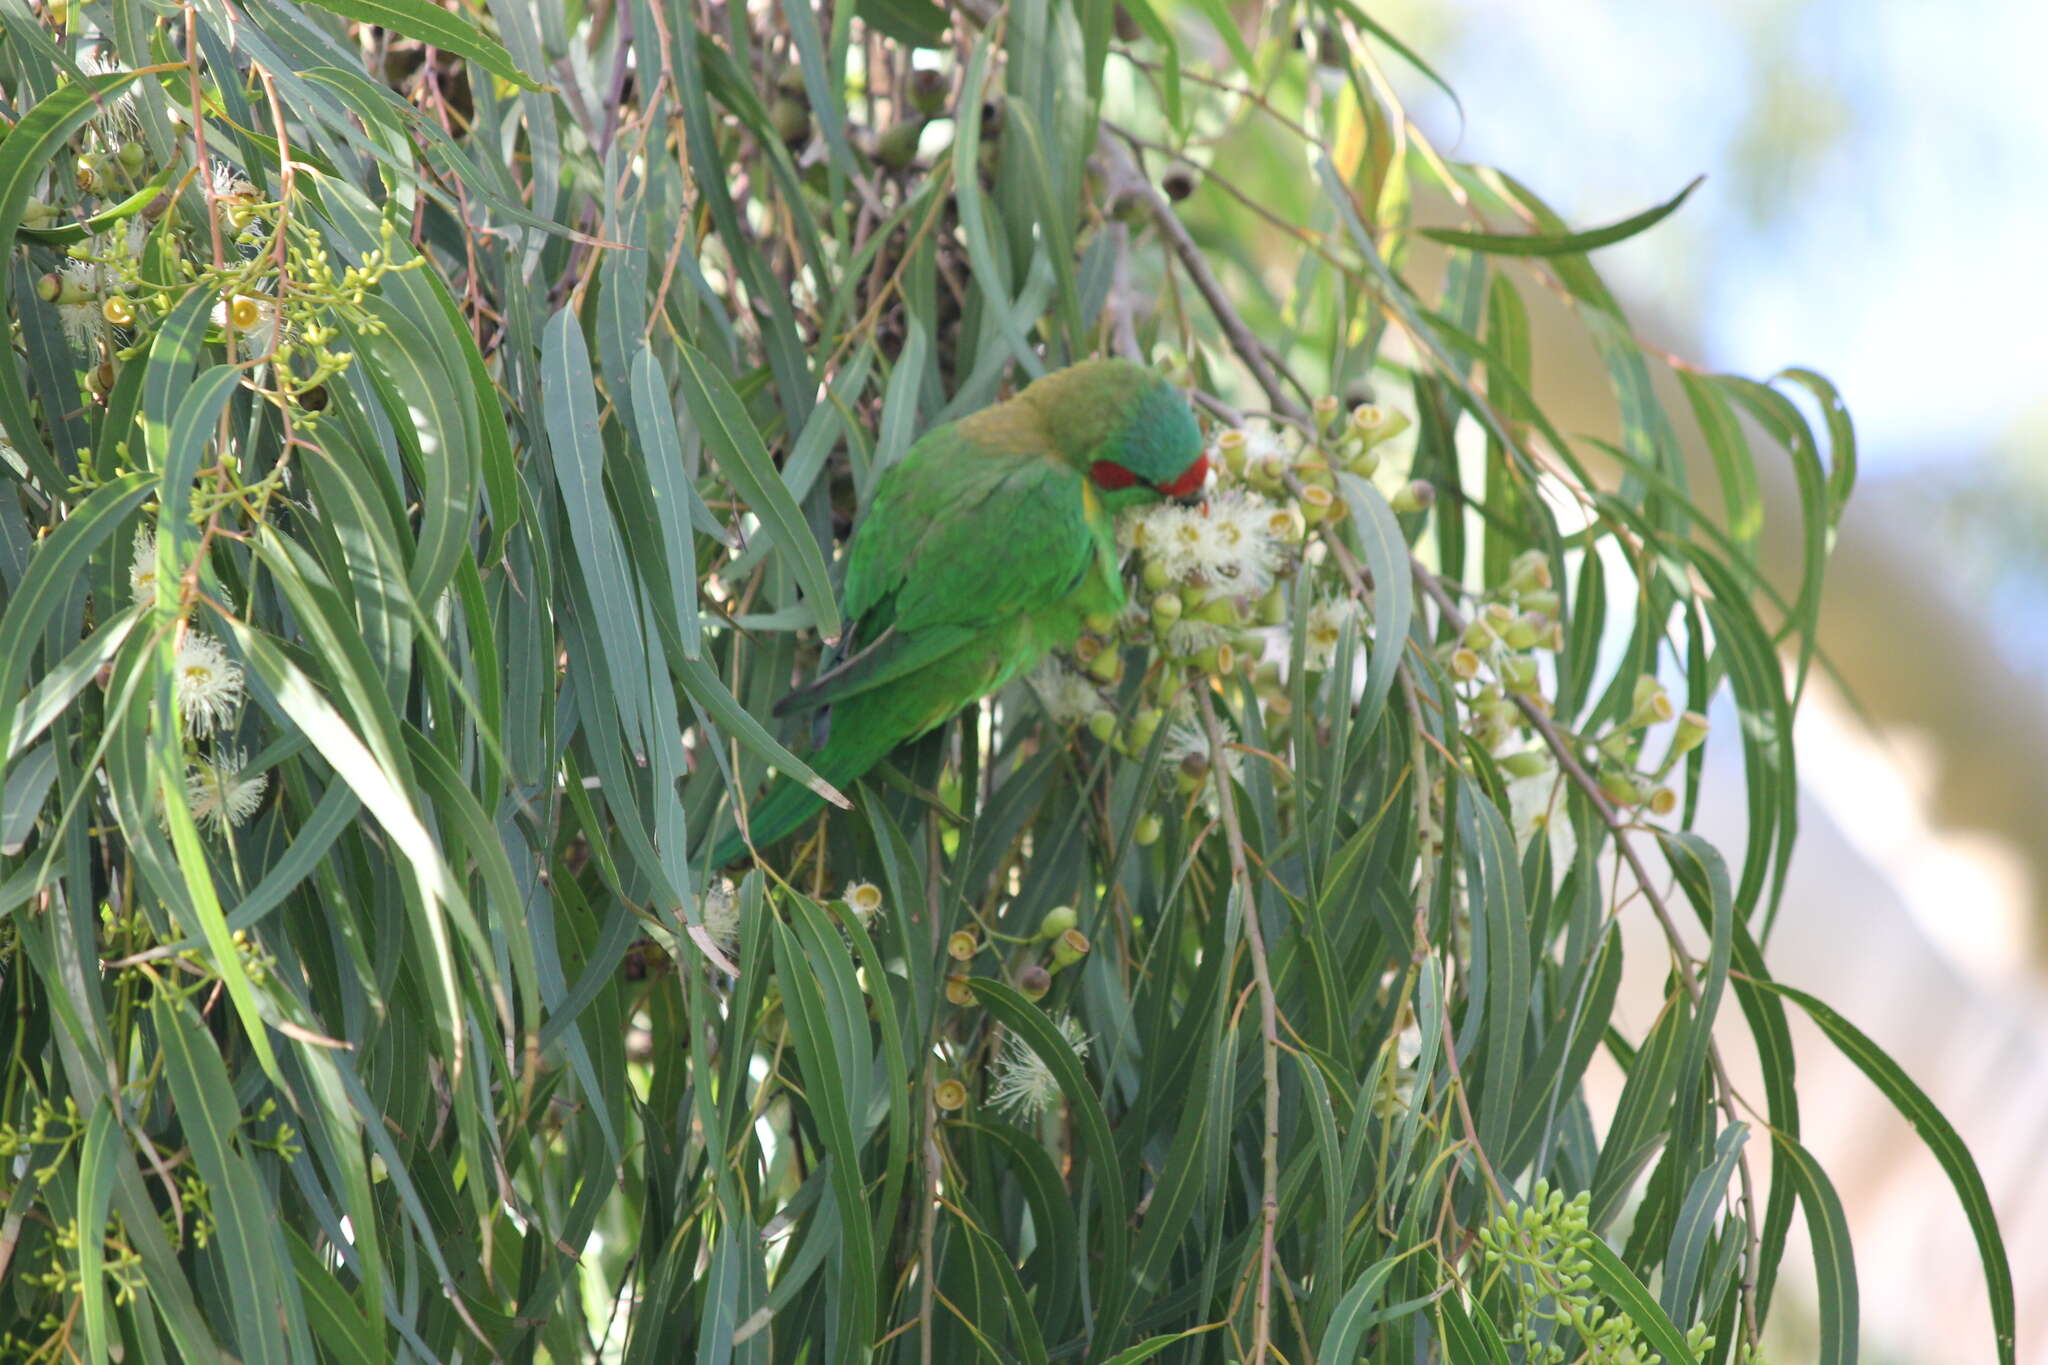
[986, 545]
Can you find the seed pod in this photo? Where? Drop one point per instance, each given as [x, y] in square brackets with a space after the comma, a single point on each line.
[1148, 831]
[958, 992]
[949, 1095]
[1178, 183]
[962, 945]
[1033, 982]
[1070, 948]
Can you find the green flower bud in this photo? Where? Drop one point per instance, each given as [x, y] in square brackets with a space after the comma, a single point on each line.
[130, 155]
[1144, 725]
[1542, 601]
[1272, 608]
[1692, 731]
[1230, 445]
[1364, 463]
[1153, 576]
[1318, 505]
[1371, 424]
[1529, 571]
[1518, 675]
[1416, 497]
[1620, 788]
[1478, 634]
[1148, 831]
[1100, 622]
[1107, 666]
[1325, 408]
[1522, 633]
[1529, 763]
[1057, 921]
[896, 148]
[1220, 611]
[928, 91]
[1102, 725]
[1033, 982]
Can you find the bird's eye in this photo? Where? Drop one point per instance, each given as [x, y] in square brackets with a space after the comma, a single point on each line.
[1110, 476]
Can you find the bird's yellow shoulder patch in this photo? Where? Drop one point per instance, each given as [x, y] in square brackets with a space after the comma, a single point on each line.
[1091, 505]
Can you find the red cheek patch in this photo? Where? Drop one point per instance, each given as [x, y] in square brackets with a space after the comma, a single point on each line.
[1110, 476]
[1190, 479]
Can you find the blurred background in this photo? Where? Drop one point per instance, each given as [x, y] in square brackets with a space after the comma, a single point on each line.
[1873, 206]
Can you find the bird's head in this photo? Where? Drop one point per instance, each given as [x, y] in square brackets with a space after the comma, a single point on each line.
[1126, 428]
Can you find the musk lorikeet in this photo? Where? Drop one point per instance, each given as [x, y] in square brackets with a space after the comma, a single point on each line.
[985, 546]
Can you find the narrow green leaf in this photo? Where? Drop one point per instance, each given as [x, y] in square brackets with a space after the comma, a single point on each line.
[433, 25]
[1561, 244]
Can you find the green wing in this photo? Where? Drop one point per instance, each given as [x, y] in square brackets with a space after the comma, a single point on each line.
[960, 541]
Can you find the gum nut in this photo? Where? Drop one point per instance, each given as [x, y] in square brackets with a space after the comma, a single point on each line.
[1148, 831]
[1102, 725]
[1033, 982]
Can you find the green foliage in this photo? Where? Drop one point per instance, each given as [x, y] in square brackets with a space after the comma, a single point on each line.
[427, 452]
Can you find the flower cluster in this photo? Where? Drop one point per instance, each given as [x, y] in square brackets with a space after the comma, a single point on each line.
[208, 689]
[1542, 1250]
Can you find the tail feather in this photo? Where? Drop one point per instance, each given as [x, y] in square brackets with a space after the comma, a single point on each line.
[788, 803]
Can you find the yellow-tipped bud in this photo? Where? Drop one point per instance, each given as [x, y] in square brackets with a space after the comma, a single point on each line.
[1318, 505]
[949, 1095]
[1372, 424]
[1287, 525]
[962, 945]
[1230, 445]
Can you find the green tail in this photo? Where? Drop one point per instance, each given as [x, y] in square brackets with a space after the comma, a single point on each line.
[851, 751]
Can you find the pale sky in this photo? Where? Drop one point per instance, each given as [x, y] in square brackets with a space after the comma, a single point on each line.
[1876, 194]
